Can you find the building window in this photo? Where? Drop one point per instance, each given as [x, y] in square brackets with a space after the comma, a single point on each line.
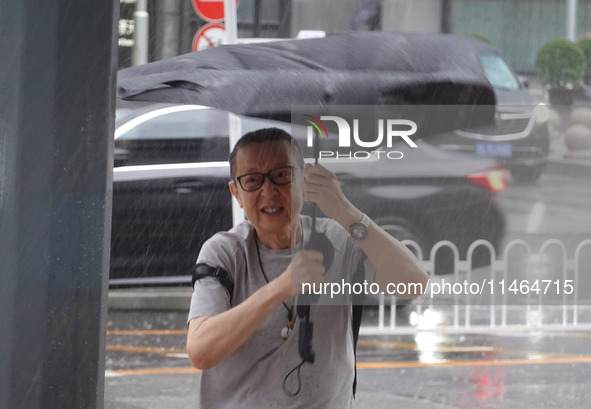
[264, 18]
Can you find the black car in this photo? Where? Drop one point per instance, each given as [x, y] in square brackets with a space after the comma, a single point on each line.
[170, 191]
[519, 137]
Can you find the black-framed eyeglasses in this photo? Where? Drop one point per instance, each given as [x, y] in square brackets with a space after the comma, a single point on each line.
[254, 181]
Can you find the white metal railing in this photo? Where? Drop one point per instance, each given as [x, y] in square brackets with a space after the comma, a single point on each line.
[569, 313]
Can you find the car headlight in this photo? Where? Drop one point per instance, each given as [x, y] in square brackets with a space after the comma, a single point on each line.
[541, 112]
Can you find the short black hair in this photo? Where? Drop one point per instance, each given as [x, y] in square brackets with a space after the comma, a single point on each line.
[261, 136]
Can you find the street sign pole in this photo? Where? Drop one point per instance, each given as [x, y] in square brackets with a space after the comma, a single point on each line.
[234, 120]
[140, 45]
[235, 127]
[230, 21]
[571, 20]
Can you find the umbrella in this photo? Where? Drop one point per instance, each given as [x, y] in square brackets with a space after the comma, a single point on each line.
[368, 68]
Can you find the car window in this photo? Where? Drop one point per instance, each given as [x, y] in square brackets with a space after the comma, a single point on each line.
[498, 72]
[199, 123]
[196, 135]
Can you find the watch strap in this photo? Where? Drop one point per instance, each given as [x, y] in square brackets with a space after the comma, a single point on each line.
[358, 230]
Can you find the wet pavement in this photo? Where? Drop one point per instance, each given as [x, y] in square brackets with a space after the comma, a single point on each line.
[525, 367]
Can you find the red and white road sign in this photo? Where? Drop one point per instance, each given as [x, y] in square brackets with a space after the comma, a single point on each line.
[209, 36]
[210, 10]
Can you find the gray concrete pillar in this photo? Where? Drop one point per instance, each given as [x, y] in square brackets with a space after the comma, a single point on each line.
[56, 124]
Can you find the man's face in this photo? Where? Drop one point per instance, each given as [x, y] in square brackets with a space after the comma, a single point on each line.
[270, 207]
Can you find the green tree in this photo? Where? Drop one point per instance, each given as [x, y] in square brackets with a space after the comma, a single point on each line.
[585, 46]
[561, 63]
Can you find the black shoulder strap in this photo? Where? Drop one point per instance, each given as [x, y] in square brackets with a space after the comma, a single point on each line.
[357, 314]
[203, 270]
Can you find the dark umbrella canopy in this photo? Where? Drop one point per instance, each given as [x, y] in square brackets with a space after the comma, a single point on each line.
[267, 79]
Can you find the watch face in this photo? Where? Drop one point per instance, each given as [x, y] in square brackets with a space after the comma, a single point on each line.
[358, 231]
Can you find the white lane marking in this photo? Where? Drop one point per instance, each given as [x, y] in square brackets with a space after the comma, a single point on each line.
[178, 355]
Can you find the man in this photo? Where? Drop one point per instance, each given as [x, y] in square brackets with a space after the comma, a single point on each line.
[242, 330]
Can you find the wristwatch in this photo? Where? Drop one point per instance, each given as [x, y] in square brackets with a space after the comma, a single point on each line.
[358, 230]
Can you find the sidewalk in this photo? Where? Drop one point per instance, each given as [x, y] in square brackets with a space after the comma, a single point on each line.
[150, 298]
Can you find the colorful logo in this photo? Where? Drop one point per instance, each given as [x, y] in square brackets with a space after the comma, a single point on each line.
[315, 123]
[363, 134]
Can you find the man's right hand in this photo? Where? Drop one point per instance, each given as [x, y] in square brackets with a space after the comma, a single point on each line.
[212, 338]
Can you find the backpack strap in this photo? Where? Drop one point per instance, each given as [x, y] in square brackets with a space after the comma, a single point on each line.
[203, 270]
[357, 314]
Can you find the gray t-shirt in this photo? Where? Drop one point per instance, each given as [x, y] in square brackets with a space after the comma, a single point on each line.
[253, 376]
